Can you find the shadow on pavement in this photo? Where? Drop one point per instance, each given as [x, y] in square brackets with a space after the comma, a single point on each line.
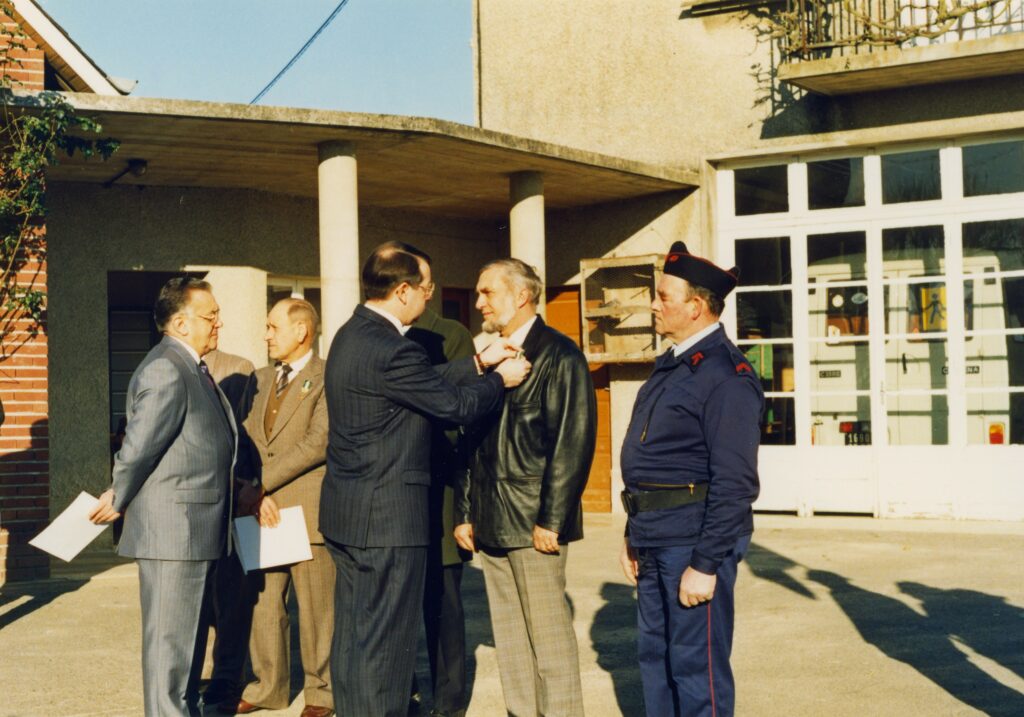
[613, 635]
[64, 578]
[987, 624]
[478, 619]
[924, 643]
[773, 567]
[40, 593]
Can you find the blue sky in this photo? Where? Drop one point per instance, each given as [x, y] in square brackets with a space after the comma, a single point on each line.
[410, 57]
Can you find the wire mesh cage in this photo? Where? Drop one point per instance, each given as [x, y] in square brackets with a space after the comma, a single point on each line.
[615, 303]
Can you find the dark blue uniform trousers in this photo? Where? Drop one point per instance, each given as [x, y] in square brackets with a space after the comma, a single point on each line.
[684, 652]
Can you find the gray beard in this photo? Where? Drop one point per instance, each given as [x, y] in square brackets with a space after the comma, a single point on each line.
[497, 325]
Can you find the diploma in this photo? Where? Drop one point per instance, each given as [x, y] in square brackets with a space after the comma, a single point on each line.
[70, 531]
[259, 547]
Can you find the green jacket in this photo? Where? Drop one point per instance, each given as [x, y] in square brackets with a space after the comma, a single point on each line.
[444, 340]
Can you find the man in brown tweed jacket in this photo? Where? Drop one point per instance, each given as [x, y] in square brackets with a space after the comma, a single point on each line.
[287, 429]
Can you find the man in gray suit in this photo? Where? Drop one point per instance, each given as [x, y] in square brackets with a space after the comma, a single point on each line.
[287, 430]
[172, 481]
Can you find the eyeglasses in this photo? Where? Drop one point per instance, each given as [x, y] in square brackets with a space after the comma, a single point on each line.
[212, 318]
[428, 289]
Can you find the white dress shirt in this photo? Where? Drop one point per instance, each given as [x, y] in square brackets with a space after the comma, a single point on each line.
[519, 335]
[296, 366]
[390, 317]
[679, 349]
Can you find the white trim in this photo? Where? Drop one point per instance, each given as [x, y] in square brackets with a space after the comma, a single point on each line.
[62, 46]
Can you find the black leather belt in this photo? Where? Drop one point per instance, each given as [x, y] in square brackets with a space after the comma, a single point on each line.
[646, 500]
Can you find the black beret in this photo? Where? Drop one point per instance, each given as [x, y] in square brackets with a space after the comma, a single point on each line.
[700, 272]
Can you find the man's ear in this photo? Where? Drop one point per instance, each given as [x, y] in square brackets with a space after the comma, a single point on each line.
[402, 292]
[699, 308]
[522, 298]
[179, 325]
[302, 330]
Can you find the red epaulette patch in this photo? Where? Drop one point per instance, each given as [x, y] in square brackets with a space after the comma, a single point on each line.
[743, 368]
[696, 358]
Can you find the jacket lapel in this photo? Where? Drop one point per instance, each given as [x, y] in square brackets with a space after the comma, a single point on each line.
[301, 386]
[215, 396]
[264, 385]
[531, 344]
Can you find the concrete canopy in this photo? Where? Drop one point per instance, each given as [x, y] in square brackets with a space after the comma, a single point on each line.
[427, 165]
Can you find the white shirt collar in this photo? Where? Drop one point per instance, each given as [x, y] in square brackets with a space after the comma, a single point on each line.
[191, 351]
[389, 316]
[679, 349]
[298, 365]
[519, 335]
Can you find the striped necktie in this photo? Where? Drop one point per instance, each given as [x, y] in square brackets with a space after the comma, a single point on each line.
[205, 370]
[282, 378]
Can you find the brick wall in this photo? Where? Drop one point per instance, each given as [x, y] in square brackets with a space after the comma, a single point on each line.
[24, 435]
[24, 441]
[28, 73]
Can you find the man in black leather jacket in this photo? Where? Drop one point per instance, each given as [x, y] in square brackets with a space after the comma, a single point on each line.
[520, 505]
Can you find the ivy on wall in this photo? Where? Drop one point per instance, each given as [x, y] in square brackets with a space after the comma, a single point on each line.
[36, 129]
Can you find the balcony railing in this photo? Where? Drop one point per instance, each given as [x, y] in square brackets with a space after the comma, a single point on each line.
[820, 29]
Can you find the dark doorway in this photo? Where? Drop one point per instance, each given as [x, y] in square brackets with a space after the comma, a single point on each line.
[131, 332]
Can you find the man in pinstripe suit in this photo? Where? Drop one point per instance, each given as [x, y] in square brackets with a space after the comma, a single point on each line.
[381, 393]
[172, 480]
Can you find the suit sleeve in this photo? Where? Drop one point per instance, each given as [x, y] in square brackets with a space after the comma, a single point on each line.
[570, 416]
[158, 408]
[731, 423]
[304, 456]
[410, 381]
[460, 371]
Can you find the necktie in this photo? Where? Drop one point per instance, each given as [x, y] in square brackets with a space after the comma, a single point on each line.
[282, 377]
[205, 370]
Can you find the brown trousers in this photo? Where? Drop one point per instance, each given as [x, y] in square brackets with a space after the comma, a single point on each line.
[313, 581]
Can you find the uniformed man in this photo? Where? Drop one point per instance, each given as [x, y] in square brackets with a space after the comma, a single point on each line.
[689, 463]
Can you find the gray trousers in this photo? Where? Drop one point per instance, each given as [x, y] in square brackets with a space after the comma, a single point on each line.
[173, 646]
[536, 645]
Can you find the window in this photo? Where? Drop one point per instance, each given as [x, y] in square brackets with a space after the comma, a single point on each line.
[859, 319]
[764, 306]
[993, 168]
[762, 190]
[911, 177]
[835, 183]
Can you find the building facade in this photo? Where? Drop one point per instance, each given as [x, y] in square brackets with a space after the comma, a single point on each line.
[872, 194]
[875, 202]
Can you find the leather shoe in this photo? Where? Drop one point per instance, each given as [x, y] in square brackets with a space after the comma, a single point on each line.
[237, 708]
[314, 711]
[442, 713]
[221, 691]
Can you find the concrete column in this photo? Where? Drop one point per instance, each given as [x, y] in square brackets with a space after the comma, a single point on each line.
[526, 222]
[339, 235]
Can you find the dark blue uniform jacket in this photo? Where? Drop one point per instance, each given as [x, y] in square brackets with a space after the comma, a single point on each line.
[696, 420]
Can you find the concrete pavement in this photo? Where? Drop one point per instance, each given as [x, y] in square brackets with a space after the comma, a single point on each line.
[835, 616]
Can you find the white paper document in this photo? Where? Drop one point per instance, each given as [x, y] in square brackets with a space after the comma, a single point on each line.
[71, 530]
[260, 547]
